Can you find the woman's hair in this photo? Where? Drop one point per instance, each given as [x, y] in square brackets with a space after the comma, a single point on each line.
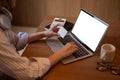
[8, 4]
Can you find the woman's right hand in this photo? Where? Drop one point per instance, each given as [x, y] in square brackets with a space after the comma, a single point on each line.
[67, 50]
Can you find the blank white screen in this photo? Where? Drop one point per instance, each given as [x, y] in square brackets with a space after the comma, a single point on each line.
[89, 30]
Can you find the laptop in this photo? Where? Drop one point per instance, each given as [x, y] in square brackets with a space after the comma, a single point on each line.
[87, 34]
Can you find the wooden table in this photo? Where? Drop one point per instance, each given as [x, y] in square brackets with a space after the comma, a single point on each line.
[80, 70]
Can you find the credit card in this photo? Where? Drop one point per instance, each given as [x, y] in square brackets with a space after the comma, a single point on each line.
[62, 31]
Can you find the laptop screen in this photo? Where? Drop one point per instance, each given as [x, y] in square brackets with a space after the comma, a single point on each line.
[89, 29]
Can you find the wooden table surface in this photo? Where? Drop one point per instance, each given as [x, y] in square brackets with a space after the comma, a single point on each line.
[84, 69]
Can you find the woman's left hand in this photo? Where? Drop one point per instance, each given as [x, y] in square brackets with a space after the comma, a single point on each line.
[52, 31]
[49, 33]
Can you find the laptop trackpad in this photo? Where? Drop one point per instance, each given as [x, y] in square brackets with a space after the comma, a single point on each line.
[54, 44]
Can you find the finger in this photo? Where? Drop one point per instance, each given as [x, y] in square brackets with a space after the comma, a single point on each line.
[56, 34]
[73, 43]
[57, 26]
[55, 29]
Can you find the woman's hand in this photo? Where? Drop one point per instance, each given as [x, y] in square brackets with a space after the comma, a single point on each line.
[52, 31]
[49, 33]
[67, 50]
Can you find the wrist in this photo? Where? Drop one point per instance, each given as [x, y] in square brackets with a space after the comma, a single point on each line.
[60, 55]
[55, 58]
[44, 33]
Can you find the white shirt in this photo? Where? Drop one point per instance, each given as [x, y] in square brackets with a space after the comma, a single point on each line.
[12, 64]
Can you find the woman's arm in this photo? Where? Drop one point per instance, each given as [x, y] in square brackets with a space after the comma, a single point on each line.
[39, 35]
[49, 33]
[67, 50]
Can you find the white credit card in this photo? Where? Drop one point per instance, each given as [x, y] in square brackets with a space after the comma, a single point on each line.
[62, 31]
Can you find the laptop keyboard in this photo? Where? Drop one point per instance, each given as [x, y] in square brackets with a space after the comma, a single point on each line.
[80, 52]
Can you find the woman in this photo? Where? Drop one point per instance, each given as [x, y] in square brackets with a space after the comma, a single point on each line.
[22, 68]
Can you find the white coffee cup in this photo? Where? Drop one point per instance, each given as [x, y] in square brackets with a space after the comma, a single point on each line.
[107, 52]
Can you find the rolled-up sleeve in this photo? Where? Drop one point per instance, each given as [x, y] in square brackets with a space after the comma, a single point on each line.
[41, 69]
[22, 40]
[20, 68]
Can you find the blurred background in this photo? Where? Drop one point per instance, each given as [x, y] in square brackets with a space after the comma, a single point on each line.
[31, 12]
